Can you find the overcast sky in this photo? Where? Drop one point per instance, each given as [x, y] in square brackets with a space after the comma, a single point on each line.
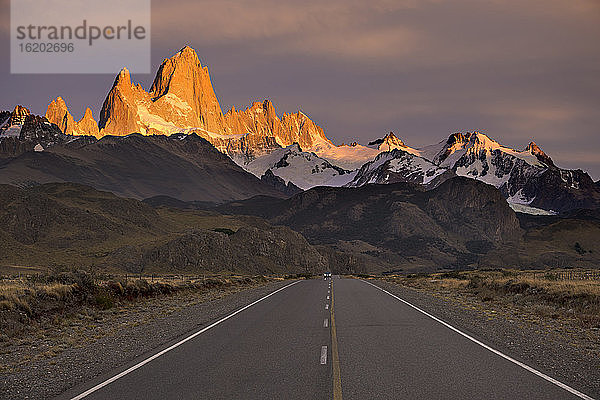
[518, 70]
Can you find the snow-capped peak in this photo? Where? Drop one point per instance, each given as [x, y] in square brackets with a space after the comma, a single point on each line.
[533, 149]
[388, 143]
[304, 169]
[397, 165]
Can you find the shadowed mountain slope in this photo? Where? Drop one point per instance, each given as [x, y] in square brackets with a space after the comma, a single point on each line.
[462, 223]
[186, 167]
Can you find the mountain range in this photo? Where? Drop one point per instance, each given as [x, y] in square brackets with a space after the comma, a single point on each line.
[66, 226]
[465, 201]
[292, 147]
[182, 166]
[462, 223]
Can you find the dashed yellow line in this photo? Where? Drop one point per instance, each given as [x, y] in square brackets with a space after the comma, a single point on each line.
[337, 378]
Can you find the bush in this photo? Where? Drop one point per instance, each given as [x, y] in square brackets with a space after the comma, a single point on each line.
[419, 275]
[6, 305]
[115, 287]
[104, 301]
[451, 275]
[551, 277]
[226, 231]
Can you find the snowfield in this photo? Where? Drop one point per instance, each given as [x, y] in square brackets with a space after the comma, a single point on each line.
[303, 169]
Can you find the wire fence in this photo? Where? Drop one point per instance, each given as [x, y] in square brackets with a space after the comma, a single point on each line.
[568, 275]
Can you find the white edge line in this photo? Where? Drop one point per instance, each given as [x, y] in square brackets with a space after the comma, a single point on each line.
[485, 346]
[160, 353]
[323, 355]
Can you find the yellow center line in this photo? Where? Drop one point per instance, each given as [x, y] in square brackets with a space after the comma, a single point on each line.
[337, 378]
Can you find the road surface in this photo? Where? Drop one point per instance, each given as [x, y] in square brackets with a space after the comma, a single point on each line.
[326, 339]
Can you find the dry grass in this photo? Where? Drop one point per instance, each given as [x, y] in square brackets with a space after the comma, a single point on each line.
[28, 302]
[17, 295]
[540, 293]
[79, 324]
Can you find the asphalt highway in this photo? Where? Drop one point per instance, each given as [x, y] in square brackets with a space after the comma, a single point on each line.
[326, 339]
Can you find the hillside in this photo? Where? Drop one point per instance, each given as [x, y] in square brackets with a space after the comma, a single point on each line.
[463, 223]
[74, 226]
[186, 167]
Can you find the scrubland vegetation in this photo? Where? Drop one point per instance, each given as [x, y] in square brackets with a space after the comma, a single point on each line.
[572, 295]
[28, 302]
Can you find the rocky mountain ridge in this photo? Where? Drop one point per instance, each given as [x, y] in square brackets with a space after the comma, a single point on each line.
[402, 224]
[59, 114]
[301, 168]
[21, 132]
[528, 178]
[182, 100]
[461, 223]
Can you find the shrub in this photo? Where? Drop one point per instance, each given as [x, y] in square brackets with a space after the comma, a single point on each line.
[551, 277]
[115, 287]
[226, 231]
[451, 275]
[104, 301]
[6, 305]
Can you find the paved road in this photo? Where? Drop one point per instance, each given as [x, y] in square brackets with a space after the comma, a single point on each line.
[377, 347]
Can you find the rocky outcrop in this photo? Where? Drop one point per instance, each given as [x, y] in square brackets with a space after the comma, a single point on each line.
[562, 190]
[59, 114]
[400, 166]
[260, 119]
[182, 99]
[39, 130]
[182, 87]
[534, 149]
[87, 125]
[302, 168]
[23, 132]
[278, 183]
[254, 250]
[119, 114]
[17, 117]
[472, 209]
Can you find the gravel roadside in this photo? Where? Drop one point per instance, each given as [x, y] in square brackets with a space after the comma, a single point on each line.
[564, 352]
[62, 358]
